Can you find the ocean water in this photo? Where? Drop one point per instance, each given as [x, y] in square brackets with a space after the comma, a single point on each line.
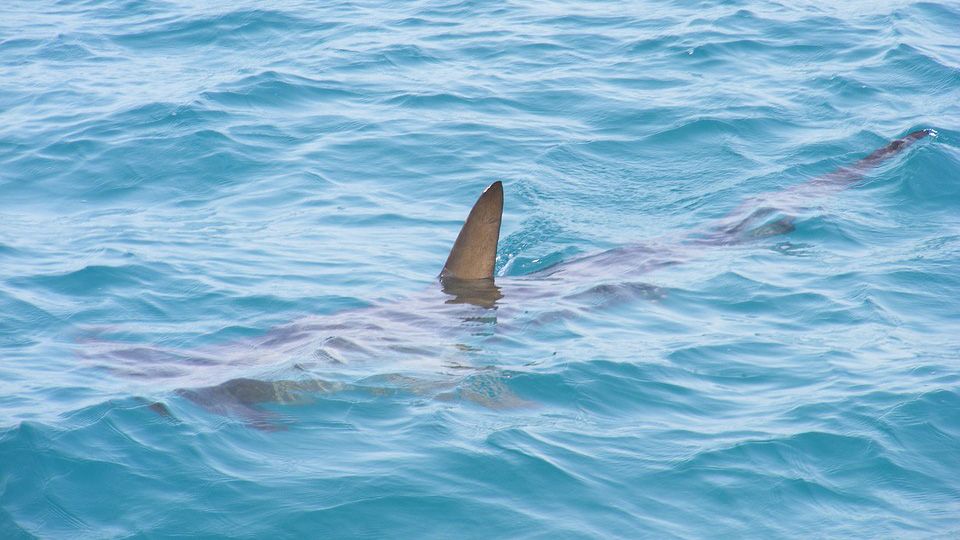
[221, 225]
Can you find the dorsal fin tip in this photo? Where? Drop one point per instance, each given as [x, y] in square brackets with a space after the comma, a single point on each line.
[474, 253]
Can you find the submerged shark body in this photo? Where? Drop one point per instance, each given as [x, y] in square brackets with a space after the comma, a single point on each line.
[468, 303]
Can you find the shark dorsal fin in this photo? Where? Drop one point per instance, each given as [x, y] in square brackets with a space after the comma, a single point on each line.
[475, 251]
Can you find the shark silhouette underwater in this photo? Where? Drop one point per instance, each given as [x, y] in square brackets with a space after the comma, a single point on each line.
[468, 296]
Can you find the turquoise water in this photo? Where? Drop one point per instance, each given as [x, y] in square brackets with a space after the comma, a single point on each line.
[180, 184]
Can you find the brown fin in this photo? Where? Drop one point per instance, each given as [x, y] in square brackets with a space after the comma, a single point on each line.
[475, 251]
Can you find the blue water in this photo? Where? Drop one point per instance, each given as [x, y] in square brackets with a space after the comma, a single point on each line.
[178, 182]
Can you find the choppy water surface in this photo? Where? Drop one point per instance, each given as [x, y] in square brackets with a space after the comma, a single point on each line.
[220, 228]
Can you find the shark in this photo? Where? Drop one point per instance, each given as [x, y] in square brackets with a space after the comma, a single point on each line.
[468, 297]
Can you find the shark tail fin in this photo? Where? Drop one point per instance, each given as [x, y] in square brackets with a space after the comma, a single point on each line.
[893, 148]
[850, 175]
[475, 251]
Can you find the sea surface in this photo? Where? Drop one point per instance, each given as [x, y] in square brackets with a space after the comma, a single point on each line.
[221, 225]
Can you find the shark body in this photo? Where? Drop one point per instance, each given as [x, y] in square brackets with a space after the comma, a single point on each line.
[468, 298]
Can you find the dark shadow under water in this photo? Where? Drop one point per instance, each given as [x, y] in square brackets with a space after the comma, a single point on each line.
[428, 339]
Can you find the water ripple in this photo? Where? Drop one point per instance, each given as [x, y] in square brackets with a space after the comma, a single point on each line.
[220, 227]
